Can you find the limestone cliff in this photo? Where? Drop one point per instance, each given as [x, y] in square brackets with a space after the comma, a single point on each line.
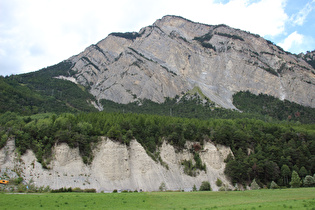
[174, 55]
[115, 166]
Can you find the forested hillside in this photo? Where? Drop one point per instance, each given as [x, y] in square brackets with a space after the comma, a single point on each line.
[262, 150]
[40, 92]
[263, 107]
[269, 138]
[191, 73]
[273, 108]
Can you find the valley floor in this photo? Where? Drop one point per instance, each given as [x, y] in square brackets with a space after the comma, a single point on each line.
[301, 198]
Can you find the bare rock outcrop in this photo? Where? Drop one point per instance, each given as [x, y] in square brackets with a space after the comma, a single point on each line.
[174, 55]
[115, 166]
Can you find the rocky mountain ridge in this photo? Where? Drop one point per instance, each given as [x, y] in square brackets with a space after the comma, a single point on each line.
[175, 55]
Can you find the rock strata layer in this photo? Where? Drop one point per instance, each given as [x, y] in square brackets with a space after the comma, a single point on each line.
[174, 55]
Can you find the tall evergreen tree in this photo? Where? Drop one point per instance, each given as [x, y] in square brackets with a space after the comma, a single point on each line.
[285, 173]
[295, 180]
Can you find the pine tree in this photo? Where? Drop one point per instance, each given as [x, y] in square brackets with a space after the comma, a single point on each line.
[295, 180]
[303, 172]
[273, 185]
[285, 172]
[254, 185]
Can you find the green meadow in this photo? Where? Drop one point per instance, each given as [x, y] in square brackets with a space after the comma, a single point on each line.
[300, 198]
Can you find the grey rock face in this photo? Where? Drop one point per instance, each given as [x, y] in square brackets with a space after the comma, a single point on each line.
[174, 55]
[115, 166]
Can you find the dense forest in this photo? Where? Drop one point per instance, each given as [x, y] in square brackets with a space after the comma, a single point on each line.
[269, 138]
[39, 92]
[263, 107]
[265, 151]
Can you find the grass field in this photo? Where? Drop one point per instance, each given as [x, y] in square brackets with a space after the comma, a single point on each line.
[301, 198]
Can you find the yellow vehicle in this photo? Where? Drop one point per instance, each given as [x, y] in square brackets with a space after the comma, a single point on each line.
[4, 181]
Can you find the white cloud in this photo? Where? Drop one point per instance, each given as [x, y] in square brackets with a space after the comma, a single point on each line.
[292, 42]
[39, 33]
[299, 18]
[264, 17]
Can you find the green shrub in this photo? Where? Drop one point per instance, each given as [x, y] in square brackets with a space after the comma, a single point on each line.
[295, 180]
[89, 190]
[219, 182]
[62, 190]
[162, 187]
[18, 180]
[222, 188]
[205, 186]
[274, 185]
[308, 181]
[77, 189]
[189, 168]
[254, 185]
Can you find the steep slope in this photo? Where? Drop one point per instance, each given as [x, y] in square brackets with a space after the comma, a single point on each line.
[41, 91]
[309, 57]
[115, 166]
[175, 55]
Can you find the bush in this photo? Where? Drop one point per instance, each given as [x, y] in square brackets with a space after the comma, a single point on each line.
[89, 190]
[162, 187]
[222, 188]
[274, 185]
[218, 182]
[254, 185]
[18, 180]
[77, 189]
[309, 181]
[295, 180]
[205, 186]
[62, 190]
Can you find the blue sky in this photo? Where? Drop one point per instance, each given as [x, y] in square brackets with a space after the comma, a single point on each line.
[39, 33]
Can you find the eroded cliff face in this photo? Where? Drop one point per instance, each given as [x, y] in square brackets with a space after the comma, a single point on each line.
[174, 55]
[115, 166]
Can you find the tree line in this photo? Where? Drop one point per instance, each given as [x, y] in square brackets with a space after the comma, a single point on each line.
[265, 151]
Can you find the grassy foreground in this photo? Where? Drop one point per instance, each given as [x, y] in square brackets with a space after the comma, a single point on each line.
[302, 198]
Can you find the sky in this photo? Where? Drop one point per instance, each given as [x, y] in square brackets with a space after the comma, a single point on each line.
[38, 33]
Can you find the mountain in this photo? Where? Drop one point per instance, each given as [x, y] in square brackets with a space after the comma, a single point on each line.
[188, 73]
[174, 55]
[173, 59]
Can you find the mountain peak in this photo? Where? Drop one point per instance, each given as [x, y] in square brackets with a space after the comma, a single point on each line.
[175, 55]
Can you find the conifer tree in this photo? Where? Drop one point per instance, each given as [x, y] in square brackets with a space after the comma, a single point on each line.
[273, 185]
[285, 172]
[295, 180]
[254, 185]
[303, 172]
